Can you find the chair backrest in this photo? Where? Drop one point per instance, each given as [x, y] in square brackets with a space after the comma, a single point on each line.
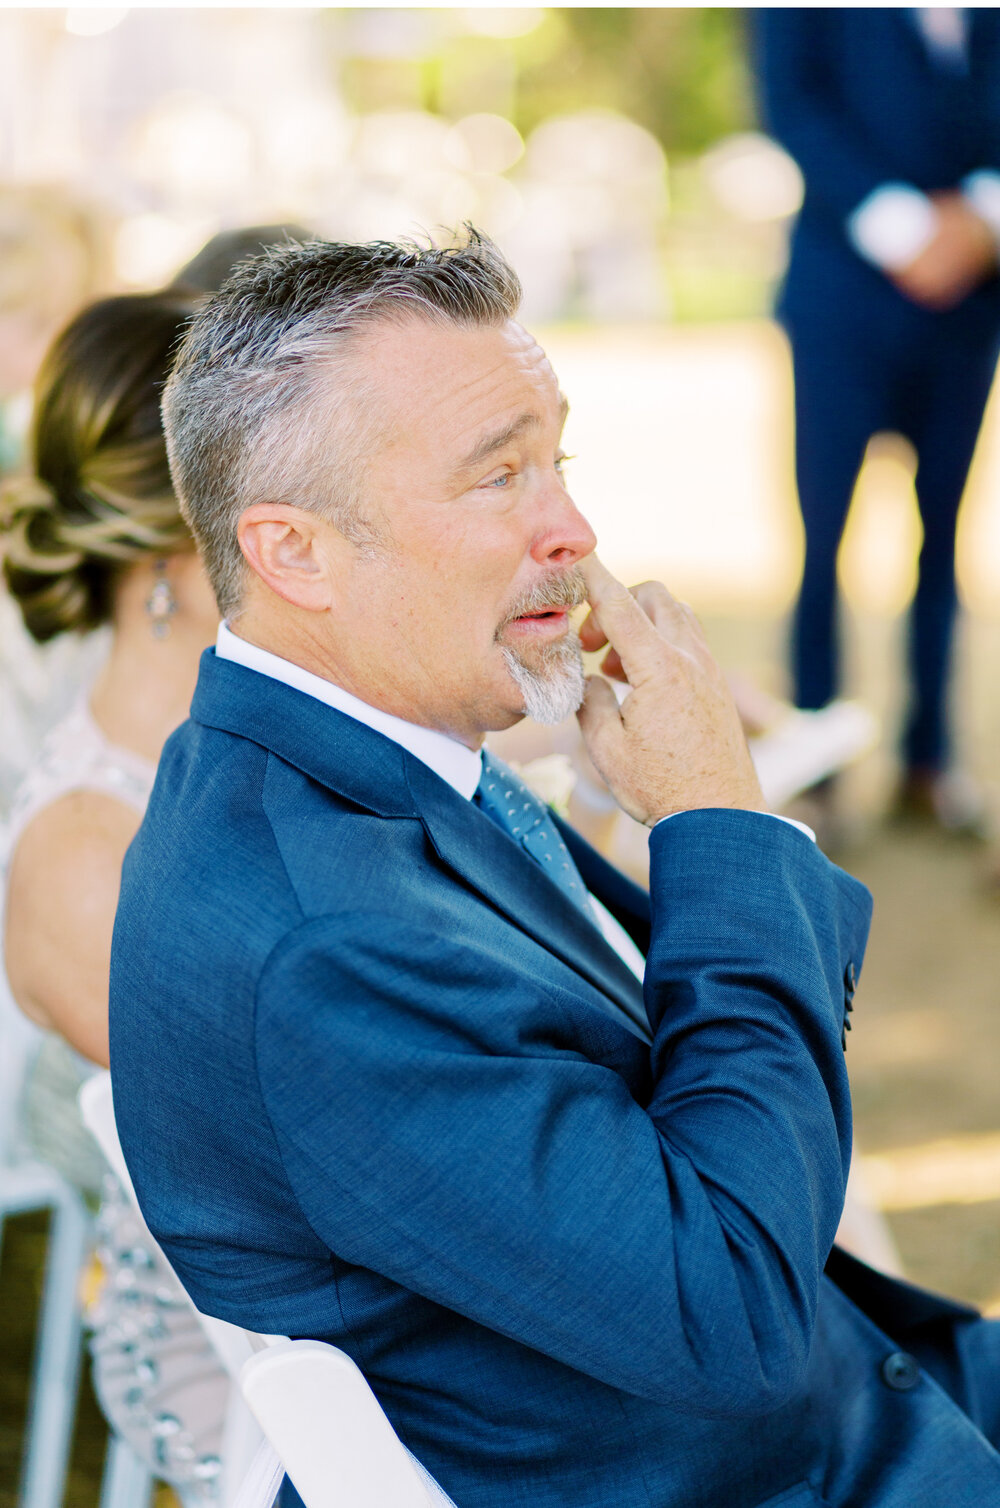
[328, 1428]
[19, 1040]
[310, 1399]
[231, 1344]
[97, 1108]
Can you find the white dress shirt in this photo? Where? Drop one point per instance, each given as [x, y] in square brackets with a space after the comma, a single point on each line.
[944, 31]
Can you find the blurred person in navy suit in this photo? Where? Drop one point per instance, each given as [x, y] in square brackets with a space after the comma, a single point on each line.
[399, 1061]
[892, 307]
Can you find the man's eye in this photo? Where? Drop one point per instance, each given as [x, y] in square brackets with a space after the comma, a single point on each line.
[561, 462]
[500, 481]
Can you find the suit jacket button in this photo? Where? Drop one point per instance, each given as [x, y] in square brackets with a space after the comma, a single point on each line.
[900, 1371]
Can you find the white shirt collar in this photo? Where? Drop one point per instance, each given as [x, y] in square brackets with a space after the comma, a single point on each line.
[459, 766]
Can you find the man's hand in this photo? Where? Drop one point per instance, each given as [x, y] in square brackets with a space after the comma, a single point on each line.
[962, 254]
[676, 742]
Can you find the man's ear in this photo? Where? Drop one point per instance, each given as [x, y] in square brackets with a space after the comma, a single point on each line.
[289, 549]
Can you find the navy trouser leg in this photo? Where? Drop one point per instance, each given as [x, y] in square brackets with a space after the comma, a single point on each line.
[840, 402]
[949, 413]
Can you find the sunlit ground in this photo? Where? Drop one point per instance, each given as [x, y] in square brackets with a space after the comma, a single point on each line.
[684, 446]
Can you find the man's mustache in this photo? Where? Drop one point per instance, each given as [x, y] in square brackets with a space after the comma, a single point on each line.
[566, 590]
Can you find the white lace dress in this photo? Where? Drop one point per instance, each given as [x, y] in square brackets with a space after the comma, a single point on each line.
[157, 1379]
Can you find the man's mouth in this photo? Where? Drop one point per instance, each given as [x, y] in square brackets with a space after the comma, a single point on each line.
[550, 623]
[547, 615]
[545, 609]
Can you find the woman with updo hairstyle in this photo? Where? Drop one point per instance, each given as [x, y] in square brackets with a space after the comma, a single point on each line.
[94, 536]
[92, 539]
[100, 497]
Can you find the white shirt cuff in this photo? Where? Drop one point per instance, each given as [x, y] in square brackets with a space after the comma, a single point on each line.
[775, 817]
[982, 192]
[892, 226]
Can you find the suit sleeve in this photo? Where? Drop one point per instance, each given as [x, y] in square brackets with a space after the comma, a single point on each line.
[800, 111]
[441, 1126]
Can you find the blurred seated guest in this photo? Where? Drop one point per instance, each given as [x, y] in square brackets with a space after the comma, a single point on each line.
[210, 267]
[51, 262]
[93, 537]
[892, 308]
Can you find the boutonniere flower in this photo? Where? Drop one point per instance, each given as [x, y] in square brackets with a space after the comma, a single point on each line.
[551, 778]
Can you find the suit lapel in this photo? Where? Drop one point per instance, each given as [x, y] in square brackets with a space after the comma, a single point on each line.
[467, 841]
[377, 774]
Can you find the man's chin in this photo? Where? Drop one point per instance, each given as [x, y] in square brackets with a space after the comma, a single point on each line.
[552, 688]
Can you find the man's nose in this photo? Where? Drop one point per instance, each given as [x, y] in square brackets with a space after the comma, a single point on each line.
[566, 537]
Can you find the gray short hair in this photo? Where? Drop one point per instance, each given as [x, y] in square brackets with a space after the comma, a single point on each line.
[263, 393]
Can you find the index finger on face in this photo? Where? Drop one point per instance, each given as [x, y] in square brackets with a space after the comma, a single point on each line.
[625, 625]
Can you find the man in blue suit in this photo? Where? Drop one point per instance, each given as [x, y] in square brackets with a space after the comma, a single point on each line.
[390, 1068]
[892, 307]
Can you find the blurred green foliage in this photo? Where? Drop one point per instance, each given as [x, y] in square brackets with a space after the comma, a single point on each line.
[683, 74]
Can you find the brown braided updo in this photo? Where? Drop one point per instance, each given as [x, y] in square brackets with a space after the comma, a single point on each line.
[100, 495]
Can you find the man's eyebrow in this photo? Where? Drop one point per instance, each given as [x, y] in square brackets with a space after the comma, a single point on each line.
[496, 441]
[489, 444]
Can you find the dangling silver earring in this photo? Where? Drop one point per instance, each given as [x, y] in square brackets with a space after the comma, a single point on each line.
[161, 604]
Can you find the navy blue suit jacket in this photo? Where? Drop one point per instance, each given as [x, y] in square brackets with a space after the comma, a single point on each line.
[370, 1090]
[854, 96]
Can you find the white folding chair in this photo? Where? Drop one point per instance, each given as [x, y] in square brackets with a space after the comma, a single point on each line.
[328, 1430]
[321, 1421]
[26, 1184]
[241, 1435]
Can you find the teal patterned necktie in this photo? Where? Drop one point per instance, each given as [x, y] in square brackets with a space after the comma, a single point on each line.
[506, 799]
